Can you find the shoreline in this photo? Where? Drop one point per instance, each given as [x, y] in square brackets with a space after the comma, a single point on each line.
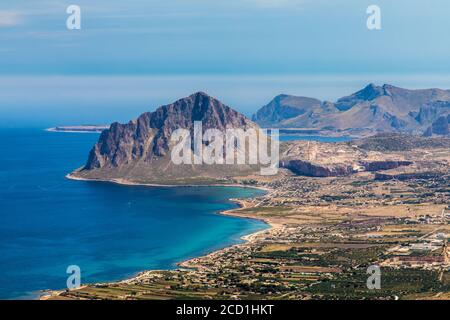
[47, 294]
[78, 129]
[248, 238]
[125, 182]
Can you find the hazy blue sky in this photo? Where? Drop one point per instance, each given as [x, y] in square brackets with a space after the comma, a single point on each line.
[223, 36]
[131, 56]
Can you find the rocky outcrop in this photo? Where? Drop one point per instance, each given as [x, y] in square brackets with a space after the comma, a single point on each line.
[439, 127]
[148, 137]
[140, 150]
[431, 111]
[305, 168]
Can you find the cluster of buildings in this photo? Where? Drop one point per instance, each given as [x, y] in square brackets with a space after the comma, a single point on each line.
[432, 252]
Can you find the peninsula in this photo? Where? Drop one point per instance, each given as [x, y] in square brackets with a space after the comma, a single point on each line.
[82, 128]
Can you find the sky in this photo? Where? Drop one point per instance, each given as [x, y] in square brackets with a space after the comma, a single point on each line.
[217, 46]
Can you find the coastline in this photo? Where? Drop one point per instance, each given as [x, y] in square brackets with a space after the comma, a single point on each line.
[47, 294]
[78, 129]
[248, 238]
[125, 182]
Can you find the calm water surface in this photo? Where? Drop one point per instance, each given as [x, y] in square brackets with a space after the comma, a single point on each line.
[111, 232]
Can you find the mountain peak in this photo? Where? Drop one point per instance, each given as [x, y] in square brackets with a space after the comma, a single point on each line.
[370, 92]
[285, 106]
[200, 106]
[148, 137]
[281, 96]
[200, 94]
[370, 86]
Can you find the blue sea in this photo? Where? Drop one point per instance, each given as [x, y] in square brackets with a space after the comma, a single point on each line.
[110, 231]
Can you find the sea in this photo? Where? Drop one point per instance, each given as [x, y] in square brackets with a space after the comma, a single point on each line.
[109, 231]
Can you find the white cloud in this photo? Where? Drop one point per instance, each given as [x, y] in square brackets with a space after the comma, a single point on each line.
[10, 18]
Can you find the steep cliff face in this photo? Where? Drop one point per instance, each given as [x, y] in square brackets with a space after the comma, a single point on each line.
[441, 127]
[140, 150]
[148, 137]
[317, 169]
[305, 168]
[431, 111]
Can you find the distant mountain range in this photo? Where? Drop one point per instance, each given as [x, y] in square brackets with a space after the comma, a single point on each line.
[371, 110]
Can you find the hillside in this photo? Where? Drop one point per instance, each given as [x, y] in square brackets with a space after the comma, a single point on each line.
[140, 150]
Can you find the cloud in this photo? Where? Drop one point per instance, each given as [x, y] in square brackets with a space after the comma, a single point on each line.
[10, 18]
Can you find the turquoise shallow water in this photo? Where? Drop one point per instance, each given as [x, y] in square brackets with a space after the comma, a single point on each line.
[111, 232]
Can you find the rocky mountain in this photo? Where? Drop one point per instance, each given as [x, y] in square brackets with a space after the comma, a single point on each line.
[373, 109]
[139, 151]
[284, 107]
